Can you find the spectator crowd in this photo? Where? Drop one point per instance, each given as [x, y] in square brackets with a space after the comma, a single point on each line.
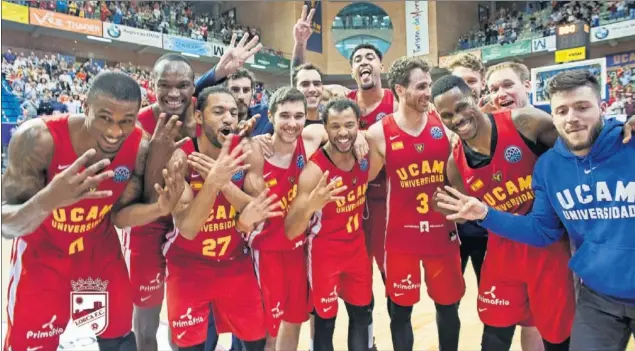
[540, 19]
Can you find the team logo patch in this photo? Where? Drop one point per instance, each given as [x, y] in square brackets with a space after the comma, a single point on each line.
[89, 304]
[300, 161]
[380, 116]
[271, 183]
[419, 147]
[122, 174]
[196, 185]
[436, 132]
[363, 124]
[498, 176]
[363, 164]
[292, 180]
[513, 154]
[238, 176]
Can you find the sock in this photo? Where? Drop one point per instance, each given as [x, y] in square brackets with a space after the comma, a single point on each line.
[370, 336]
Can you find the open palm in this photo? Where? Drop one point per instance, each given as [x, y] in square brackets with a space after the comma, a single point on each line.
[463, 207]
[236, 56]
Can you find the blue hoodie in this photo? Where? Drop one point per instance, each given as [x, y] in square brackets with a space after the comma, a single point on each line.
[594, 198]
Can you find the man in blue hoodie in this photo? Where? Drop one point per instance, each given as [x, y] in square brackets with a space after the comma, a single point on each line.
[585, 187]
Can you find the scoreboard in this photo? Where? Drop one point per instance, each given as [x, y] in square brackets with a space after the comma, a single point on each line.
[572, 42]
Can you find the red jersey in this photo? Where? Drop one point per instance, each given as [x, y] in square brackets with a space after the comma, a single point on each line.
[340, 221]
[218, 239]
[415, 168]
[270, 235]
[72, 229]
[505, 183]
[386, 107]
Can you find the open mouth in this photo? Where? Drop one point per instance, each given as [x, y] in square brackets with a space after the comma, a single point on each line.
[343, 142]
[507, 103]
[111, 141]
[365, 73]
[225, 131]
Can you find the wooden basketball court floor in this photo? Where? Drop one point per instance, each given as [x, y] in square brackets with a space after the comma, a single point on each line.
[423, 321]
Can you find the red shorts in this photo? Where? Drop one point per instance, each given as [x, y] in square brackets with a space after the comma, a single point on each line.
[374, 225]
[228, 288]
[339, 269]
[146, 263]
[283, 281]
[45, 286]
[526, 285]
[443, 276]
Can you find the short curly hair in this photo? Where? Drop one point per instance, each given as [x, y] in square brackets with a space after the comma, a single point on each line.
[400, 71]
[470, 61]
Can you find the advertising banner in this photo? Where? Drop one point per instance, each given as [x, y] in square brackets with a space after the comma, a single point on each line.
[132, 35]
[417, 41]
[271, 61]
[15, 13]
[508, 50]
[61, 21]
[315, 40]
[192, 46]
[613, 31]
[544, 44]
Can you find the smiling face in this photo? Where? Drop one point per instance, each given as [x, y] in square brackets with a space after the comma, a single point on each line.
[417, 94]
[174, 87]
[110, 121]
[366, 68]
[507, 90]
[309, 82]
[459, 112]
[341, 127]
[473, 79]
[289, 120]
[577, 115]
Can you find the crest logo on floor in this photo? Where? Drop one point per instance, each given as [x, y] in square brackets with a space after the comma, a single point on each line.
[89, 305]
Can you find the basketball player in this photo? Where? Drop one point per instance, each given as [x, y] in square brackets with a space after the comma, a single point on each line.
[595, 216]
[375, 103]
[206, 256]
[413, 146]
[338, 262]
[307, 78]
[60, 208]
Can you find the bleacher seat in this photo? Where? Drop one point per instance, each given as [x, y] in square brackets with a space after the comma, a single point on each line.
[11, 109]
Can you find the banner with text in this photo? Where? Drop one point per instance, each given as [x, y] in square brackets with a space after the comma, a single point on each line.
[15, 13]
[132, 35]
[315, 40]
[613, 31]
[192, 46]
[620, 72]
[417, 41]
[544, 44]
[68, 23]
[509, 50]
[271, 61]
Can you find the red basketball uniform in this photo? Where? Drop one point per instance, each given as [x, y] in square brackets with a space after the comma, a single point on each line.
[415, 232]
[72, 264]
[214, 271]
[142, 245]
[374, 222]
[520, 284]
[280, 263]
[339, 265]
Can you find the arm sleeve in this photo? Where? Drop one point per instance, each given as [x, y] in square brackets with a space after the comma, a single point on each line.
[540, 227]
[208, 79]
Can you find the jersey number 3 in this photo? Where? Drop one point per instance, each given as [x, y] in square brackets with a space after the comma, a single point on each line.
[210, 245]
[423, 207]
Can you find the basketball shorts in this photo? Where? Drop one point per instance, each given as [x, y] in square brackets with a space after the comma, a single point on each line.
[146, 263]
[339, 269]
[47, 288]
[228, 289]
[526, 285]
[374, 225]
[283, 281]
[442, 274]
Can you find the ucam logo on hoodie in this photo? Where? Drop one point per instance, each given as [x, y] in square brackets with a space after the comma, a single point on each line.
[593, 197]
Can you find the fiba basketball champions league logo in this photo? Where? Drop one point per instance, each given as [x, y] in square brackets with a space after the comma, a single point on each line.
[89, 305]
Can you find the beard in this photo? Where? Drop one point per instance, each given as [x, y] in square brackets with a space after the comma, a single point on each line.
[414, 104]
[593, 135]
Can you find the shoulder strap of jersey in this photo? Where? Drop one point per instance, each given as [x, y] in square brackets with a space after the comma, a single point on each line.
[320, 159]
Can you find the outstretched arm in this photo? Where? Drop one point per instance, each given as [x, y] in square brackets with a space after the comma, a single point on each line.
[301, 210]
[302, 30]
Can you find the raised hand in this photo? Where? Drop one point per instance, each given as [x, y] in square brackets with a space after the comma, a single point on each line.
[227, 164]
[170, 194]
[235, 57]
[258, 210]
[462, 206]
[265, 141]
[201, 163]
[629, 126]
[71, 186]
[325, 193]
[167, 132]
[245, 128]
[302, 29]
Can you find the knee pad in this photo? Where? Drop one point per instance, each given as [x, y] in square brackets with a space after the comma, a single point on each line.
[399, 313]
[122, 343]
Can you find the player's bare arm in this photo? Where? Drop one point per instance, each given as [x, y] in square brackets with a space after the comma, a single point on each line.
[254, 182]
[302, 30]
[191, 215]
[130, 211]
[536, 125]
[315, 190]
[27, 199]
[377, 150]
[453, 179]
